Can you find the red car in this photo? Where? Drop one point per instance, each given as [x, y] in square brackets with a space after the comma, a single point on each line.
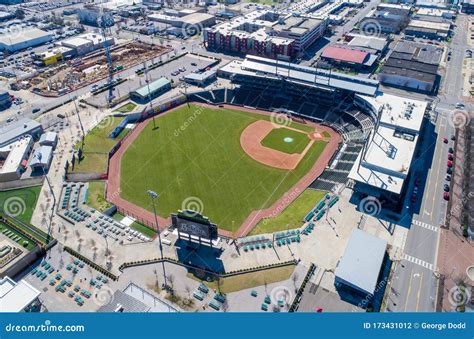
[445, 140]
[450, 157]
[446, 196]
[319, 310]
[450, 163]
[413, 197]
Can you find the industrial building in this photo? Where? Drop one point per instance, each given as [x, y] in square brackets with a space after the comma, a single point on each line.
[428, 29]
[189, 24]
[151, 90]
[201, 79]
[358, 272]
[49, 139]
[56, 55]
[90, 15]
[86, 43]
[17, 129]
[265, 33]
[345, 57]
[412, 66]
[13, 158]
[28, 38]
[371, 44]
[386, 18]
[18, 296]
[382, 168]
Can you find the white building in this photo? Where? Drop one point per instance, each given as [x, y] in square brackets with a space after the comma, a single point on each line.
[13, 157]
[41, 159]
[383, 166]
[17, 296]
[16, 41]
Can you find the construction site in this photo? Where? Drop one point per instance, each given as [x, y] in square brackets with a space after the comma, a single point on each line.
[84, 70]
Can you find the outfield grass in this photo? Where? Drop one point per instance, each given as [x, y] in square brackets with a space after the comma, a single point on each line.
[292, 216]
[326, 134]
[97, 145]
[95, 196]
[195, 156]
[20, 202]
[250, 280]
[276, 140]
[128, 107]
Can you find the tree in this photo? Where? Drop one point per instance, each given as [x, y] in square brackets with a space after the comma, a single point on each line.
[19, 14]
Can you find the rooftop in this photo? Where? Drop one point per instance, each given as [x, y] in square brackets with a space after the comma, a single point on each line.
[388, 157]
[14, 297]
[375, 43]
[14, 153]
[362, 260]
[26, 35]
[152, 87]
[344, 54]
[16, 129]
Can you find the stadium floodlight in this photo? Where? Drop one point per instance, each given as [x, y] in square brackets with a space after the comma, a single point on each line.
[153, 195]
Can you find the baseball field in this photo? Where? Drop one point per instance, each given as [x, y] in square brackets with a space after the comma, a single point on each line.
[194, 160]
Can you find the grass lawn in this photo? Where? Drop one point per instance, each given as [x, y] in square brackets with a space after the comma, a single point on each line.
[97, 144]
[286, 140]
[20, 242]
[326, 134]
[203, 162]
[95, 196]
[128, 107]
[20, 203]
[250, 280]
[292, 215]
[137, 226]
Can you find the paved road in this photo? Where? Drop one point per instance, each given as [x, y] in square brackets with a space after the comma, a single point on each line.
[415, 281]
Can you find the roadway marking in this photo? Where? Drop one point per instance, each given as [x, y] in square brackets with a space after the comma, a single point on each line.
[419, 293]
[419, 262]
[409, 290]
[425, 225]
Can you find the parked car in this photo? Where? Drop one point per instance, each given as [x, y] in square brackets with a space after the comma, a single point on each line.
[446, 187]
[450, 163]
[448, 178]
[445, 140]
[35, 110]
[446, 196]
[450, 157]
[451, 150]
[449, 170]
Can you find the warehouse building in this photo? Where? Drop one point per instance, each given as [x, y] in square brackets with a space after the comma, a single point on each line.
[412, 66]
[14, 131]
[387, 18]
[371, 44]
[56, 55]
[201, 79]
[86, 43]
[358, 272]
[49, 139]
[28, 38]
[151, 91]
[190, 22]
[428, 29]
[345, 57]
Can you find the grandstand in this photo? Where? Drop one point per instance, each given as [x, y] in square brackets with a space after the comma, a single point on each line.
[352, 123]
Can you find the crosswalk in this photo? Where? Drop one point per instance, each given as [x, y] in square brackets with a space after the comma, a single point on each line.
[425, 225]
[418, 262]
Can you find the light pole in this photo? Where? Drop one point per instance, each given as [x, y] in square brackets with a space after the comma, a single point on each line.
[40, 157]
[106, 247]
[153, 195]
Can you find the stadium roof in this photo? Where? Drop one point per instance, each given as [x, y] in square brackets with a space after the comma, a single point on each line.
[14, 297]
[362, 260]
[308, 76]
[387, 158]
[344, 54]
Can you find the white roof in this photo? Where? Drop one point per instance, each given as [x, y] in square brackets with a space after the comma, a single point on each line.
[16, 151]
[48, 137]
[26, 35]
[42, 156]
[14, 297]
[76, 42]
[363, 257]
[387, 158]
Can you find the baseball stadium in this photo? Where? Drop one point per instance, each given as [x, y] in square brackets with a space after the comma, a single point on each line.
[235, 156]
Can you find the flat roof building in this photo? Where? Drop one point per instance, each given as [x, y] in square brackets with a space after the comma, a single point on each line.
[347, 57]
[42, 158]
[17, 129]
[151, 91]
[49, 139]
[12, 158]
[360, 266]
[17, 296]
[383, 166]
[12, 42]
